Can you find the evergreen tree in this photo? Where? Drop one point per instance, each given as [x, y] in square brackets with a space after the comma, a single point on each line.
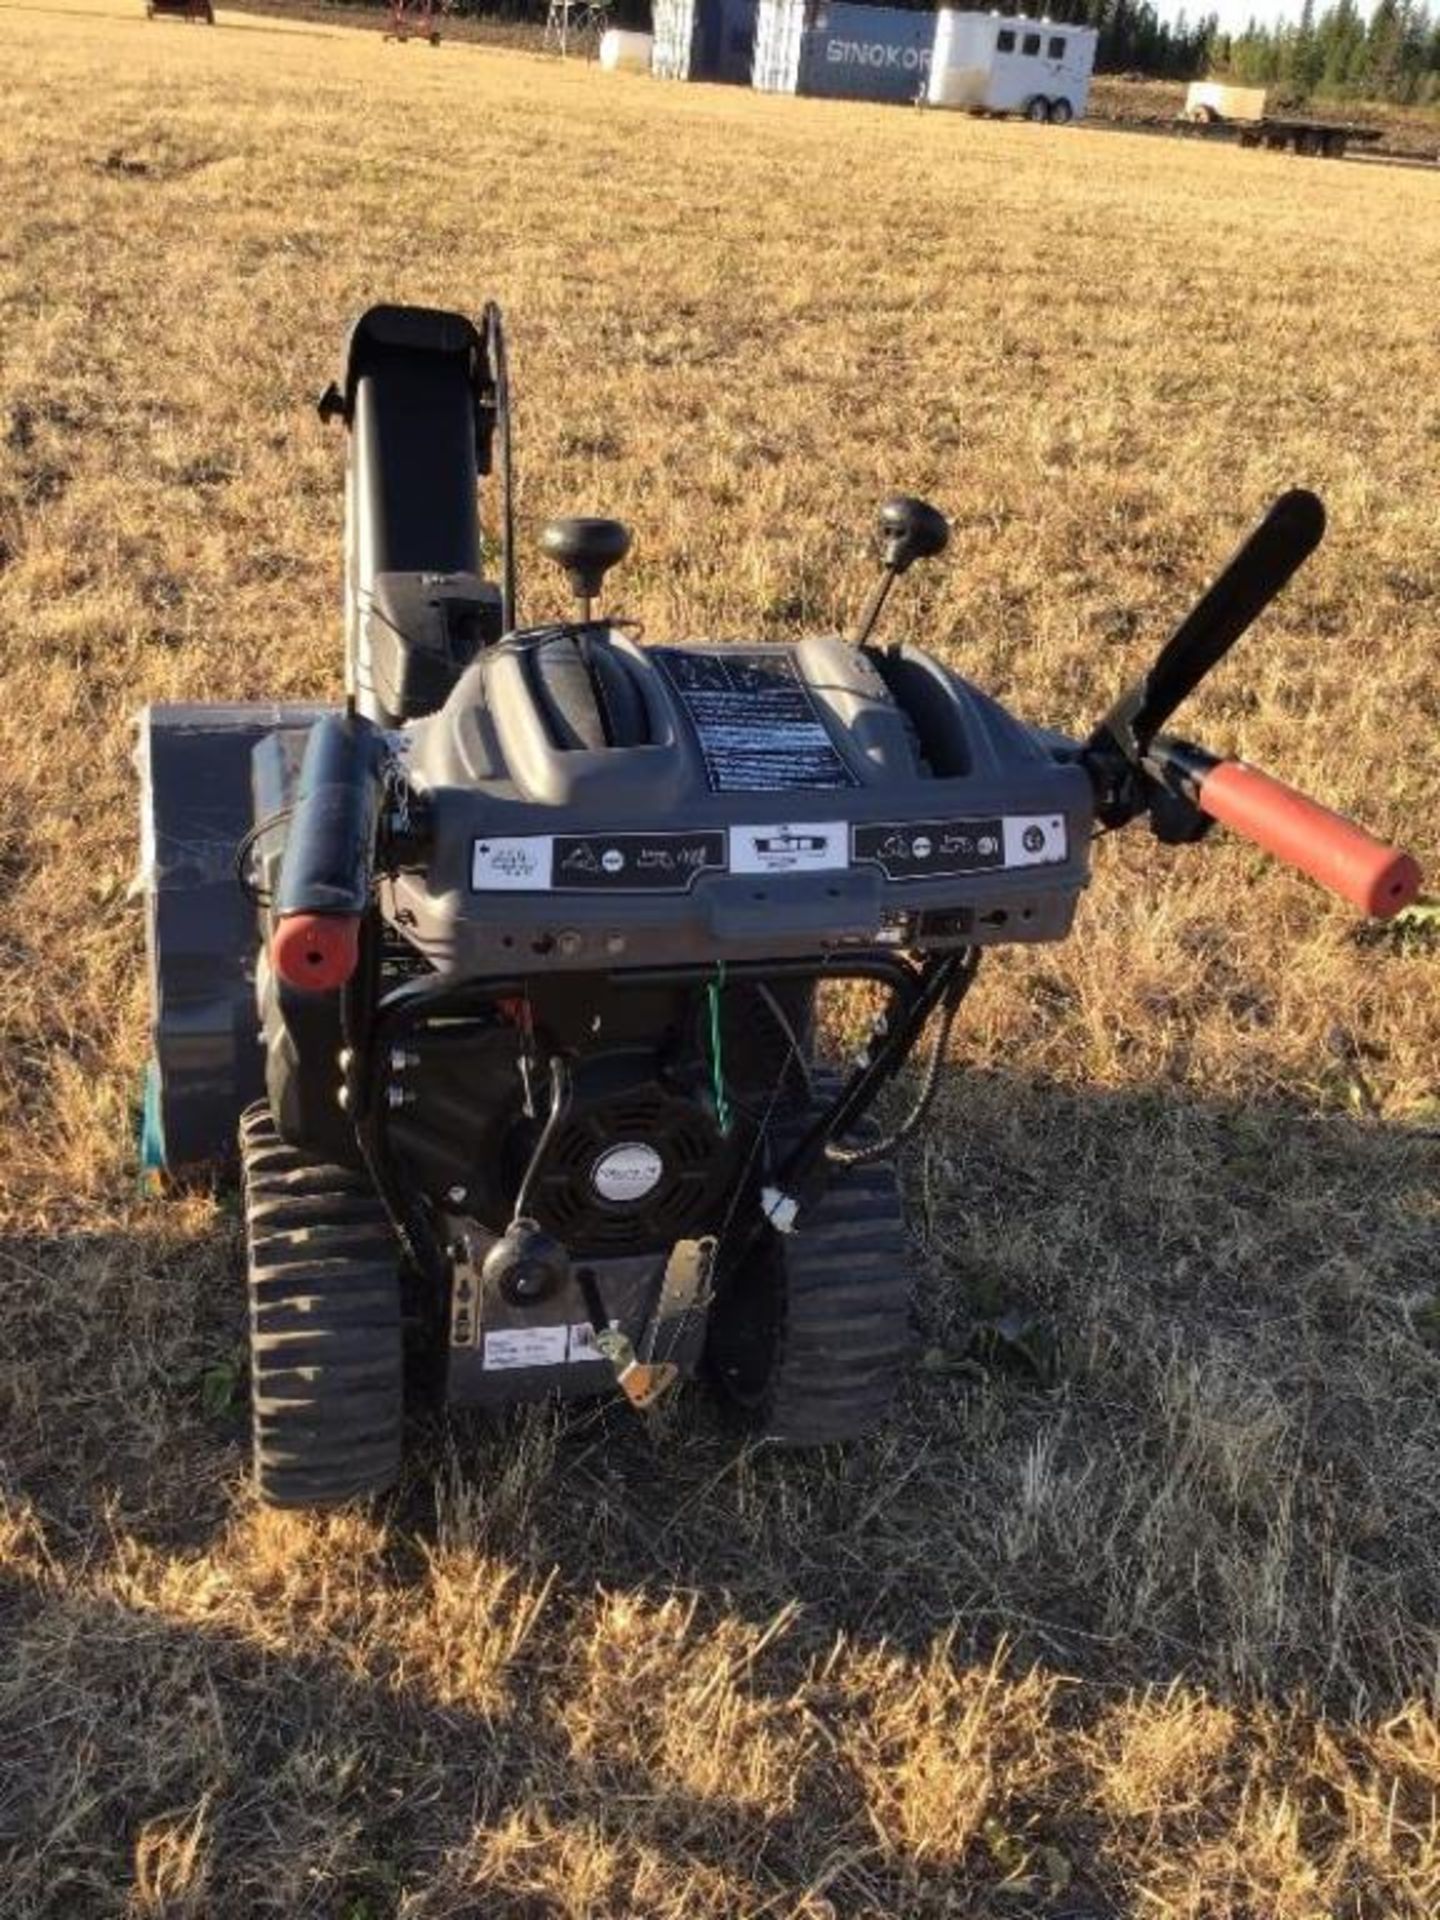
[1304, 62]
[1392, 55]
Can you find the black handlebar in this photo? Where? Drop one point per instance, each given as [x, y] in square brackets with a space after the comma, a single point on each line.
[1278, 547]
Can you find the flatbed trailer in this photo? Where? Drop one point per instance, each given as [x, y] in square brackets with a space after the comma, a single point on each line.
[1327, 139]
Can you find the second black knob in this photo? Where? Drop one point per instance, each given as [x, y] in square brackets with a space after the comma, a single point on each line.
[586, 549]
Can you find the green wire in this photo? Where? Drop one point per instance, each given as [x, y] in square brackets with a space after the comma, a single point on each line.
[717, 1055]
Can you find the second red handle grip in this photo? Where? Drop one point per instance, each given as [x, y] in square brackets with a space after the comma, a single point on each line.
[1380, 880]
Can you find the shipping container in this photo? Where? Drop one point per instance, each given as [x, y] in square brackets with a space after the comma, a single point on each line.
[704, 40]
[842, 51]
[991, 63]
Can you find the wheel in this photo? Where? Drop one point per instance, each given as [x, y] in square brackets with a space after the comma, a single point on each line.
[326, 1347]
[1037, 108]
[807, 1338]
[1061, 113]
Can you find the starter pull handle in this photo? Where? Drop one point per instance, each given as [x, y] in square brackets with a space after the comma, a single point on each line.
[1378, 879]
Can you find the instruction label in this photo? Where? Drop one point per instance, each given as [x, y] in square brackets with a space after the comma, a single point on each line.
[594, 862]
[756, 721]
[525, 1347]
[935, 849]
[514, 865]
[508, 1347]
[635, 862]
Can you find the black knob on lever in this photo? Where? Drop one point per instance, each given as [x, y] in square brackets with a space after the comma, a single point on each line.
[586, 549]
[911, 530]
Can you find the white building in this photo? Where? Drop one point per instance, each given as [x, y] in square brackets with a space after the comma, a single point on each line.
[996, 63]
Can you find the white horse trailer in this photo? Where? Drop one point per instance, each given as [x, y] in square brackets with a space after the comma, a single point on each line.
[991, 63]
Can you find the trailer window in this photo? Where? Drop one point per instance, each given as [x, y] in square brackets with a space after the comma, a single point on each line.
[1031, 43]
[1005, 41]
[1057, 46]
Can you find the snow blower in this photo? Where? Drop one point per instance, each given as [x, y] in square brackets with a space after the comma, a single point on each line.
[507, 970]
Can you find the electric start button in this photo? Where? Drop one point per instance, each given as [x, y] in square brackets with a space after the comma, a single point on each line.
[627, 1172]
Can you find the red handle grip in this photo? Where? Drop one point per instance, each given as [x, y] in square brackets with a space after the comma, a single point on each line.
[316, 952]
[1380, 880]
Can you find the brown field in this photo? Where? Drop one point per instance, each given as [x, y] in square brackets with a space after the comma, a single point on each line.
[1162, 1639]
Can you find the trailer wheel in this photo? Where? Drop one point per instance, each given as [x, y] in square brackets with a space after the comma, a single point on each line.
[1061, 112]
[1037, 109]
[326, 1347]
[808, 1336]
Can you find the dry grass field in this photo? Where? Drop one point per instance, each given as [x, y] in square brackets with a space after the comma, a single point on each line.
[1160, 1638]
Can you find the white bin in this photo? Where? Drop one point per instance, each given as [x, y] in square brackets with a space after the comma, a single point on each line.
[624, 52]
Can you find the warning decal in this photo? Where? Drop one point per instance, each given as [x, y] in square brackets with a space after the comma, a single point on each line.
[507, 1347]
[757, 723]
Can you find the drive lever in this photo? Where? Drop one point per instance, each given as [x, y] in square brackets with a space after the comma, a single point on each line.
[1274, 552]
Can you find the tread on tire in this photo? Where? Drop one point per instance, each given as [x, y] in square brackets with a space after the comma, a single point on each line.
[810, 1335]
[326, 1342]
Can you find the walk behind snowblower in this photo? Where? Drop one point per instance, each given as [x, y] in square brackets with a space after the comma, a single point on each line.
[506, 968]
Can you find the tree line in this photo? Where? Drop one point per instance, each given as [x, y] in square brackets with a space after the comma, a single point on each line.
[1391, 54]
[1394, 55]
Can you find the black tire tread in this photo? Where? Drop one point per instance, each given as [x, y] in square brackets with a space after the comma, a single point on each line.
[326, 1348]
[843, 1336]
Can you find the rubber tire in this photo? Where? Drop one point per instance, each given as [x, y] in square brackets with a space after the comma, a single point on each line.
[327, 1362]
[808, 1340]
[1037, 109]
[1061, 112]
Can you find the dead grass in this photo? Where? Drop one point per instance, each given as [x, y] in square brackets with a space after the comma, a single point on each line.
[1159, 1640]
